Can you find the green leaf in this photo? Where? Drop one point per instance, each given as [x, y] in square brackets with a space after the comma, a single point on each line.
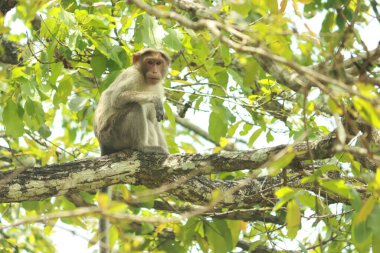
[119, 56]
[234, 227]
[304, 1]
[203, 245]
[246, 129]
[376, 242]
[63, 91]
[67, 18]
[328, 168]
[222, 79]
[367, 111]
[365, 211]
[283, 5]
[241, 7]
[171, 246]
[338, 187]
[307, 199]
[328, 22]
[47, 27]
[98, 64]
[270, 137]
[56, 71]
[44, 131]
[254, 137]
[35, 115]
[31, 205]
[225, 53]
[172, 39]
[273, 6]
[218, 236]
[361, 237]
[348, 14]
[340, 22]
[28, 89]
[232, 129]
[76, 221]
[103, 45]
[150, 31]
[188, 231]
[12, 119]
[284, 194]
[77, 103]
[69, 5]
[334, 107]
[374, 220]
[293, 218]
[235, 76]
[218, 124]
[170, 115]
[251, 73]
[284, 161]
[72, 40]
[113, 236]
[356, 201]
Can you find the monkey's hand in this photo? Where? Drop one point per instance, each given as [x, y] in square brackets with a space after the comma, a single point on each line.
[159, 107]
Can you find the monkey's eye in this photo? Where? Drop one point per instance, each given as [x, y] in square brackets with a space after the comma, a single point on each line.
[150, 62]
[159, 63]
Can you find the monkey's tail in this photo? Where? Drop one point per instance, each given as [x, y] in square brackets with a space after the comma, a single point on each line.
[103, 230]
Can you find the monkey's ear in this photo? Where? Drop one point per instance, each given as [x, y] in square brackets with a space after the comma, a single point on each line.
[135, 58]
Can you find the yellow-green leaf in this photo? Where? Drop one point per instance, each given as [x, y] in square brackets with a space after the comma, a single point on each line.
[170, 115]
[293, 218]
[273, 6]
[365, 211]
[337, 186]
[276, 166]
[12, 119]
[283, 5]
[367, 111]
[283, 192]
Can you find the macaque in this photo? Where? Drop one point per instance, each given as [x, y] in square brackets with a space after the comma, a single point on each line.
[130, 108]
[129, 112]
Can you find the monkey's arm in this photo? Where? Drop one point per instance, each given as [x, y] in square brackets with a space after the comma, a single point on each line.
[140, 97]
[128, 97]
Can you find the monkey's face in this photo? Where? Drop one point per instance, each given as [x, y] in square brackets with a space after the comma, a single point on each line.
[154, 68]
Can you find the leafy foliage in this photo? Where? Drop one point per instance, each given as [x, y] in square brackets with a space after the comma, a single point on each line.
[278, 72]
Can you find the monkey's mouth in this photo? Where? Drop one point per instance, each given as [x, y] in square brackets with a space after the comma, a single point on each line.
[153, 79]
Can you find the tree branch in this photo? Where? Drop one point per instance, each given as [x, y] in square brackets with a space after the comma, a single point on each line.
[301, 77]
[9, 51]
[153, 170]
[7, 5]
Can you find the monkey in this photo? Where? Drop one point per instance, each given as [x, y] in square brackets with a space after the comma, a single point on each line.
[130, 108]
[129, 112]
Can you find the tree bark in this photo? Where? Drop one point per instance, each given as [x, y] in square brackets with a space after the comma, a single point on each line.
[7, 5]
[179, 173]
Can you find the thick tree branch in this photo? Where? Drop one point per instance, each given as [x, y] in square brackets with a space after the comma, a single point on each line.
[9, 51]
[239, 214]
[7, 5]
[154, 170]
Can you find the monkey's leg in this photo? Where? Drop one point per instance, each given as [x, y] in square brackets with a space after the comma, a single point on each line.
[135, 131]
[156, 138]
[161, 138]
[104, 150]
